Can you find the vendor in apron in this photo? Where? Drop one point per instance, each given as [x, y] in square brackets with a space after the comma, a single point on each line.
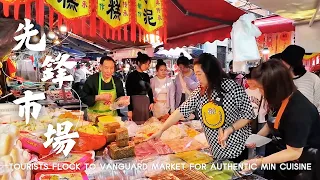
[294, 130]
[224, 111]
[101, 90]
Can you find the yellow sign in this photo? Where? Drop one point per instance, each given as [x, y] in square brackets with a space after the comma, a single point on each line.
[114, 12]
[71, 8]
[150, 14]
[213, 115]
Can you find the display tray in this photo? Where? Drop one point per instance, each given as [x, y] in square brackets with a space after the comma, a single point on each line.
[68, 102]
[75, 107]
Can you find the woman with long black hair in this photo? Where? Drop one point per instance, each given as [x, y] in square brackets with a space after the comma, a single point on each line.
[295, 128]
[223, 107]
[140, 92]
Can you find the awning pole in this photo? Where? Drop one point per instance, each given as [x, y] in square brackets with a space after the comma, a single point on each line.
[315, 14]
[197, 32]
[200, 16]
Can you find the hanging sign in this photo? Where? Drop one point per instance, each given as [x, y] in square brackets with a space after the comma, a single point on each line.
[71, 8]
[284, 40]
[115, 13]
[150, 15]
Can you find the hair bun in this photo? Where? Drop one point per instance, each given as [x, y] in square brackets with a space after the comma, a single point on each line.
[160, 61]
[139, 53]
[181, 54]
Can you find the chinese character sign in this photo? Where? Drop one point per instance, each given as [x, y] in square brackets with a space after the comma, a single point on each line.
[71, 8]
[24, 38]
[61, 64]
[114, 12]
[63, 140]
[150, 14]
[24, 110]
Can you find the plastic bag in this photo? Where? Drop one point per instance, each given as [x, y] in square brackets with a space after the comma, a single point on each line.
[150, 127]
[185, 144]
[174, 132]
[202, 139]
[219, 170]
[195, 157]
[244, 43]
[153, 165]
[145, 150]
[87, 142]
[160, 147]
[121, 102]
[132, 128]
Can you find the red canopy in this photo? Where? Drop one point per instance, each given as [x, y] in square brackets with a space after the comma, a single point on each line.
[205, 21]
[274, 24]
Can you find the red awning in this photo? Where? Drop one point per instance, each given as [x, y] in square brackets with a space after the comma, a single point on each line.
[274, 24]
[184, 30]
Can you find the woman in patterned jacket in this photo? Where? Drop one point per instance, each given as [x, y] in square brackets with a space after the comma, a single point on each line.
[223, 107]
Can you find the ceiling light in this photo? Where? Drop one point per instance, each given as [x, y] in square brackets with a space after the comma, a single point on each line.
[35, 39]
[63, 28]
[51, 35]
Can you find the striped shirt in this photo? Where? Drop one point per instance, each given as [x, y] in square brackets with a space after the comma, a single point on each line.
[309, 86]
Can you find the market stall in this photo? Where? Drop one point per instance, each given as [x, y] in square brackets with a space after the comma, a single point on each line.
[42, 140]
[119, 151]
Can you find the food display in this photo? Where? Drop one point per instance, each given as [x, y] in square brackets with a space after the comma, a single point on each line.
[62, 160]
[33, 143]
[189, 174]
[191, 132]
[11, 152]
[223, 171]
[202, 139]
[195, 157]
[116, 152]
[89, 129]
[112, 127]
[32, 126]
[174, 132]
[122, 142]
[109, 131]
[122, 134]
[149, 127]
[164, 176]
[61, 175]
[145, 150]
[184, 144]
[138, 140]
[160, 147]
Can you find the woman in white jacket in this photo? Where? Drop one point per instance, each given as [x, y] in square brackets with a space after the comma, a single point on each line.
[163, 91]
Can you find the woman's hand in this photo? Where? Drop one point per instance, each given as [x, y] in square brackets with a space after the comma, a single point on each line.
[251, 165]
[151, 107]
[129, 115]
[223, 136]
[156, 136]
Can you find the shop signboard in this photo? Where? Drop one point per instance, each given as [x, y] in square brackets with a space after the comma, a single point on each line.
[150, 15]
[70, 9]
[115, 13]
